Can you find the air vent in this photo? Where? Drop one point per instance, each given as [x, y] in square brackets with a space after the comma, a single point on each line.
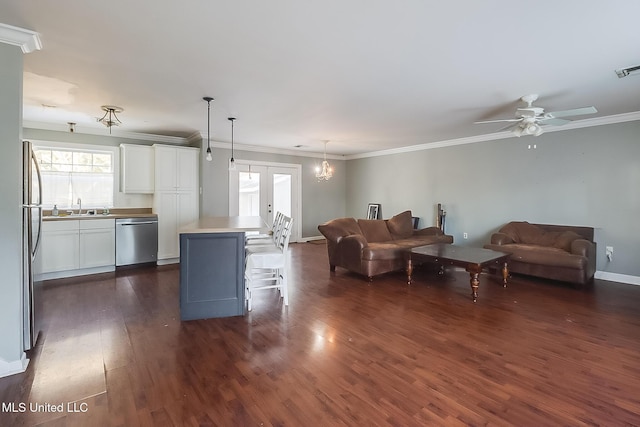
[629, 71]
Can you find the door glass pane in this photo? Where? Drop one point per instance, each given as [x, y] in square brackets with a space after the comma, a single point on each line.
[282, 193]
[249, 194]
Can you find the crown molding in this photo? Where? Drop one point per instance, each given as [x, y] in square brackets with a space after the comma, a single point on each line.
[79, 129]
[27, 40]
[264, 149]
[578, 124]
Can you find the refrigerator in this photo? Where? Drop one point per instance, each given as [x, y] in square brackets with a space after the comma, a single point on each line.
[31, 242]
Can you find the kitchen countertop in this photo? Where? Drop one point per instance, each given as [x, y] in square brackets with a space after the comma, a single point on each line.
[226, 224]
[114, 213]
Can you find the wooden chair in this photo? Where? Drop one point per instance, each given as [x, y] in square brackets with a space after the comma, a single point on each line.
[266, 267]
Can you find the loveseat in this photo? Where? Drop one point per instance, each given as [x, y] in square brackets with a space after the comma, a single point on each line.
[558, 252]
[374, 246]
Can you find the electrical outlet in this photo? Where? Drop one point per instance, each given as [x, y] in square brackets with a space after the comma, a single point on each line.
[609, 252]
[465, 236]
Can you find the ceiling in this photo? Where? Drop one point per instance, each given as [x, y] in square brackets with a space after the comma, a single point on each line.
[367, 75]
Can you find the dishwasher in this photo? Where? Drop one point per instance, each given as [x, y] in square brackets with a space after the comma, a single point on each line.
[136, 240]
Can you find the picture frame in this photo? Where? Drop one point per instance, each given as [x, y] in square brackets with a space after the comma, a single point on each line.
[373, 211]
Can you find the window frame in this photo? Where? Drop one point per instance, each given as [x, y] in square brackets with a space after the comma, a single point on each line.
[84, 147]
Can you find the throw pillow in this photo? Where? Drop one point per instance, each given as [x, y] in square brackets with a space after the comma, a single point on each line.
[374, 230]
[401, 225]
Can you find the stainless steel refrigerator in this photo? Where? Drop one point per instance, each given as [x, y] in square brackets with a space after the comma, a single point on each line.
[32, 233]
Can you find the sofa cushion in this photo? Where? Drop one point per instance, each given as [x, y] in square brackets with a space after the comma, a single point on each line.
[401, 225]
[565, 239]
[375, 230]
[337, 228]
[534, 254]
[522, 232]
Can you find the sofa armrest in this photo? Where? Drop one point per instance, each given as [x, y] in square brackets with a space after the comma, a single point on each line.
[429, 231]
[354, 243]
[583, 247]
[500, 239]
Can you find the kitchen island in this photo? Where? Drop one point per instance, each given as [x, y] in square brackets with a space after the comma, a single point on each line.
[212, 266]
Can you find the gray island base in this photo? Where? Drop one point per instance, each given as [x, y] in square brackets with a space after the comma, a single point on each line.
[212, 266]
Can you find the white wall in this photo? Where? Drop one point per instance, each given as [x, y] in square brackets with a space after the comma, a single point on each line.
[11, 63]
[588, 176]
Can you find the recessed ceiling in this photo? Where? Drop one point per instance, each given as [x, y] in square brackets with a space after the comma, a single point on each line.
[366, 75]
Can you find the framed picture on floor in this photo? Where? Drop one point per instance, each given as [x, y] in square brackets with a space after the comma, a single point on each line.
[373, 211]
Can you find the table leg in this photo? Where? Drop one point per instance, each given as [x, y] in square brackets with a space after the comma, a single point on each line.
[409, 270]
[505, 274]
[474, 285]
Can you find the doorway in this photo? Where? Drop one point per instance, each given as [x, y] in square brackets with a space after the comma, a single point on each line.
[263, 188]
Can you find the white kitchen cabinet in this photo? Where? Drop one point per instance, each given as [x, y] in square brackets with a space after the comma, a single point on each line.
[176, 195]
[97, 243]
[176, 168]
[60, 246]
[137, 169]
[76, 247]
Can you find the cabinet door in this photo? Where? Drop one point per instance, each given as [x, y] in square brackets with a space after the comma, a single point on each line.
[165, 168]
[60, 246]
[137, 169]
[165, 204]
[97, 243]
[187, 208]
[187, 169]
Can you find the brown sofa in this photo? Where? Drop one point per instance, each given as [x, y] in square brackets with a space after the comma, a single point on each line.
[375, 246]
[557, 252]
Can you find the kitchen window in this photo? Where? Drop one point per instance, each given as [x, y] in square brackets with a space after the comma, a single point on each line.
[69, 174]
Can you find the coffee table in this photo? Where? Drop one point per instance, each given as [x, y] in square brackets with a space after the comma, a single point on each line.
[473, 260]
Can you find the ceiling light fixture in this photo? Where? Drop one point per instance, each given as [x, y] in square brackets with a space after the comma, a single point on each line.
[110, 119]
[528, 127]
[232, 162]
[324, 172]
[208, 99]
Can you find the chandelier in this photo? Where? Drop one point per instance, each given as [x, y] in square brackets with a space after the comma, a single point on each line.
[324, 172]
[110, 119]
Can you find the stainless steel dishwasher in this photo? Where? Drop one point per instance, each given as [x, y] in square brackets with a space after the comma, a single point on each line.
[136, 240]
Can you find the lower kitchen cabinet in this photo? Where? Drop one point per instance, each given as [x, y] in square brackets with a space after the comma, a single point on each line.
[97, 243]
[60, 246]
[76, 247]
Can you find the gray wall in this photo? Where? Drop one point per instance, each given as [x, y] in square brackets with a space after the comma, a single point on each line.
[321, 201]
[11, 206]
[587, 176]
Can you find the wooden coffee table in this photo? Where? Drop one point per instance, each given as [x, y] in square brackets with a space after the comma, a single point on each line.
[473, 260]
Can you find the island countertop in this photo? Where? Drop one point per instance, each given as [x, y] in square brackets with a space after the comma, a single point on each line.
[225, 224]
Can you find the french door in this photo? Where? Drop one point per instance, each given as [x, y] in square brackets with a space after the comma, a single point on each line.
[263, 189]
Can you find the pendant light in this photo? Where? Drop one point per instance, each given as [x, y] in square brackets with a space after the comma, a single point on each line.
[208, 99]
[232, 162]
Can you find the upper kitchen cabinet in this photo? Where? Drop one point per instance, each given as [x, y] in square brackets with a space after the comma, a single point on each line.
[137, 169]
[176, 168]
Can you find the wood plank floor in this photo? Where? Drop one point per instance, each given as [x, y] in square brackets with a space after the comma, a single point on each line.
[344, 353]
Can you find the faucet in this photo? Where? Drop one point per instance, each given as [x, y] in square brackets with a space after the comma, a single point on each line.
[79, 206]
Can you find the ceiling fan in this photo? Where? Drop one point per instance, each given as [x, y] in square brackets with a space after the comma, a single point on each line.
[530, 120]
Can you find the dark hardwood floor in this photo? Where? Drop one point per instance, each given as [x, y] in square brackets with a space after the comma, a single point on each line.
[345, 352]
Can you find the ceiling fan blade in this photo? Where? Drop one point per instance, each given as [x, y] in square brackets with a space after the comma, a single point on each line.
[553, 121]
[509, 127]
[497, 121]
[574, 112]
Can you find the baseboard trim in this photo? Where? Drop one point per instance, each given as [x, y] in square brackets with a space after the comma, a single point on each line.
[615, 277]
[311, 238]
[167, 261]
[13, 367]
[79, 272]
